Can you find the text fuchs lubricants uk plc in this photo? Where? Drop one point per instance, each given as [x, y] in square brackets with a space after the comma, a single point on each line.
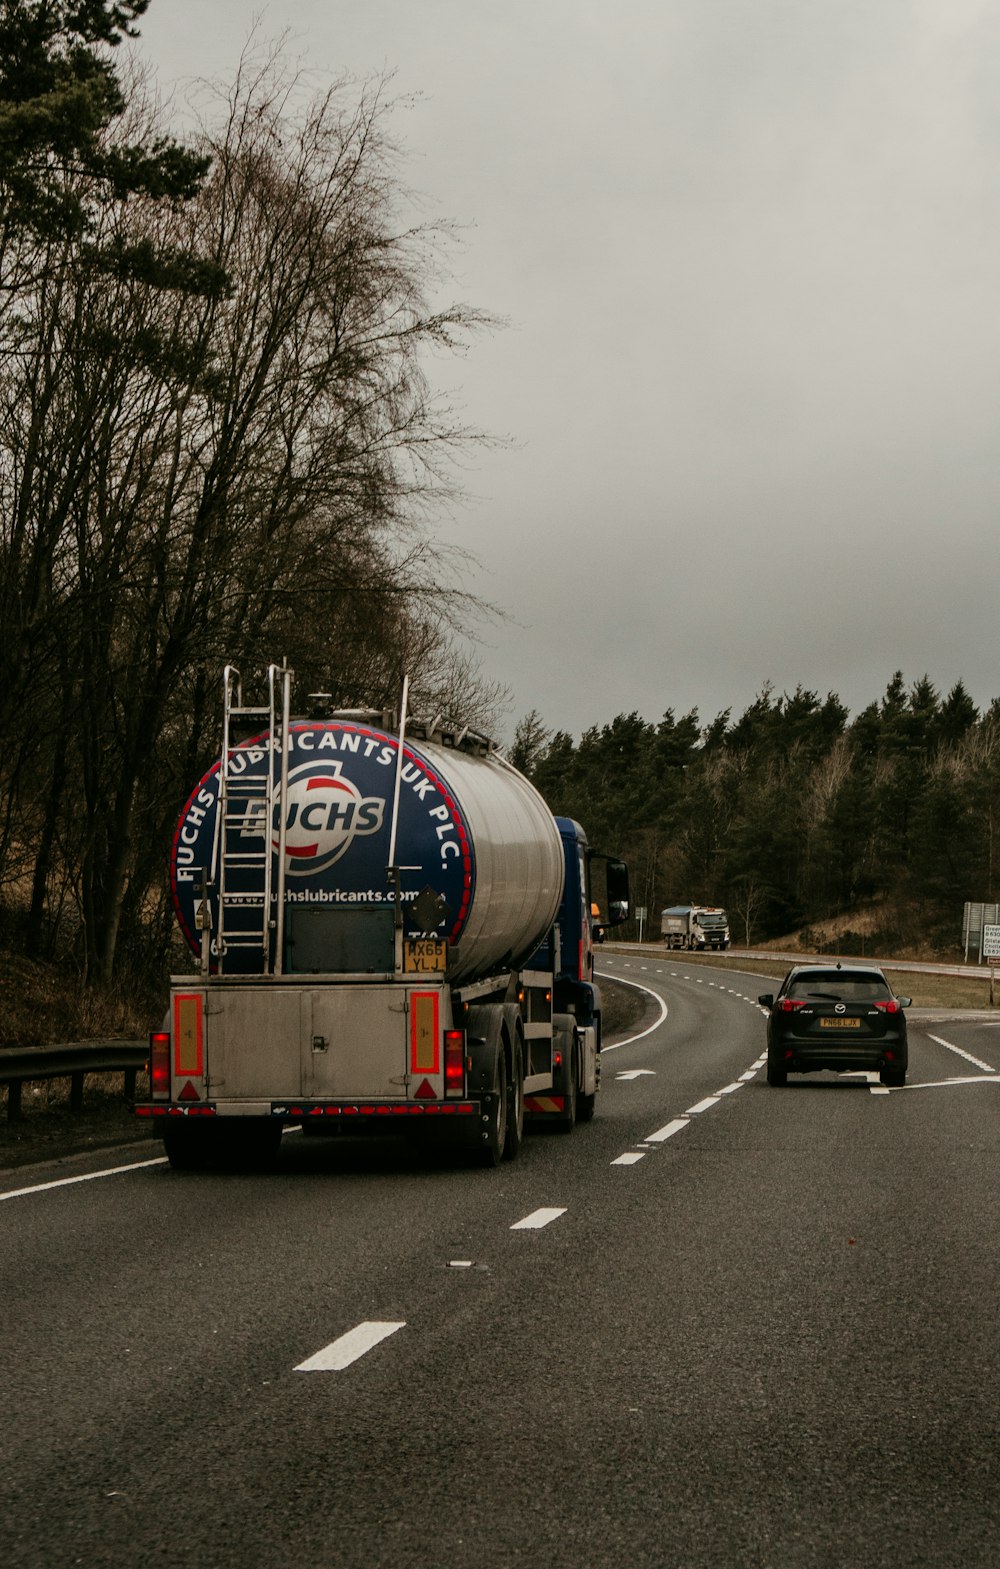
[338, 824]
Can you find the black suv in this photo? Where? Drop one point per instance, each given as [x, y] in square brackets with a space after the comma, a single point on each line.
[833, 1017]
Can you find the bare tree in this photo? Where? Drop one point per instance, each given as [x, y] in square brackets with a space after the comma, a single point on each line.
[197, 477]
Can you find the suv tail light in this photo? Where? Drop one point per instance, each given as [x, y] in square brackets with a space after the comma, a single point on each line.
[789, 1004]
[890, 1006]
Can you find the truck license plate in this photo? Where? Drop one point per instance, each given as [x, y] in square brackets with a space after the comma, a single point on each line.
[425, 956]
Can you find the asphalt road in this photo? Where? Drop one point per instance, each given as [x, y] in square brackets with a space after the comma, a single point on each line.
[748, 1327]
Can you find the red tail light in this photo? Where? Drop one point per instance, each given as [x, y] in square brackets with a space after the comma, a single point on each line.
[454, 1062]
[789, 1004]
[891, 1006]
[159, 1066]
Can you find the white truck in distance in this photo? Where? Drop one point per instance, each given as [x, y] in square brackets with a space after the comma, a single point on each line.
[695, 927]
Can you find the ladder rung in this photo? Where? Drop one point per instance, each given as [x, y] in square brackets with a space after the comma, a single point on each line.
[249, 713]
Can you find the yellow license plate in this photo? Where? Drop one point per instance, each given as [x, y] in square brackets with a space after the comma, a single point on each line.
[425, 956]
[840, 1024]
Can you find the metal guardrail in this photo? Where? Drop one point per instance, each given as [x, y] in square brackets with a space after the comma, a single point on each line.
[21, 1065]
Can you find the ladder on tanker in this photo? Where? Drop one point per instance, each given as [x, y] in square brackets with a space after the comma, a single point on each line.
[248, 876]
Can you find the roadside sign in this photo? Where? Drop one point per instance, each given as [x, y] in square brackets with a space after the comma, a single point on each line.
[991, 942]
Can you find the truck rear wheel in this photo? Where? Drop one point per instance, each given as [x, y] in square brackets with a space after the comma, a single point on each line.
[566, 1038]
[186, 1148]
[494, 1137]
[245, 1145]
[515, 1102]
[586, 1105]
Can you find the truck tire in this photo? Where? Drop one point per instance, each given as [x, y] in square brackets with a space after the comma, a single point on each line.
[253, 1145]
[494, 1139]
[250, 1145]
[586, 1105]
[515, 1101]
[186, 1148]
[564, 1028]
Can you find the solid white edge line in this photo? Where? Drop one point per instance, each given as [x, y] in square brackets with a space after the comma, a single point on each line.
[88, 1176]
[642, 1033]
[347, 1348]
[537, 1219]
[945, 1084]
[966, 1054]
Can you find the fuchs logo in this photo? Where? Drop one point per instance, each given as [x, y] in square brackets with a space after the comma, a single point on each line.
[326, 813]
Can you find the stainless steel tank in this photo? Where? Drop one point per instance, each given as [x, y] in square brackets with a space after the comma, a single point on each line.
[479, 853]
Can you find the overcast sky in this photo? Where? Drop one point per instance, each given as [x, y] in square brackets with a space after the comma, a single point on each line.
[749, 254]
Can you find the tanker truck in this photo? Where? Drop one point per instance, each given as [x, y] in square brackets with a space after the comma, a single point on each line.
[391, 933]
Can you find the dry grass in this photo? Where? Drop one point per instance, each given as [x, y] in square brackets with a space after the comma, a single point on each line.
[41, 1005]
[926, 990]
[48, 1130]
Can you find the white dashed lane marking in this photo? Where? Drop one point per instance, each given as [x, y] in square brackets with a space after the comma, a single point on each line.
[628, 1159]
[537, 1219]
[668, 1131]
[703, 1105]
[348, 1348]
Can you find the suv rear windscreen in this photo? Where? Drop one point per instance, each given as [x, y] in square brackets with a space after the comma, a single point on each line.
[838, 986]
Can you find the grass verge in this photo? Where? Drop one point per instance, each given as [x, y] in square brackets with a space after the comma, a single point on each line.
[926, 990]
